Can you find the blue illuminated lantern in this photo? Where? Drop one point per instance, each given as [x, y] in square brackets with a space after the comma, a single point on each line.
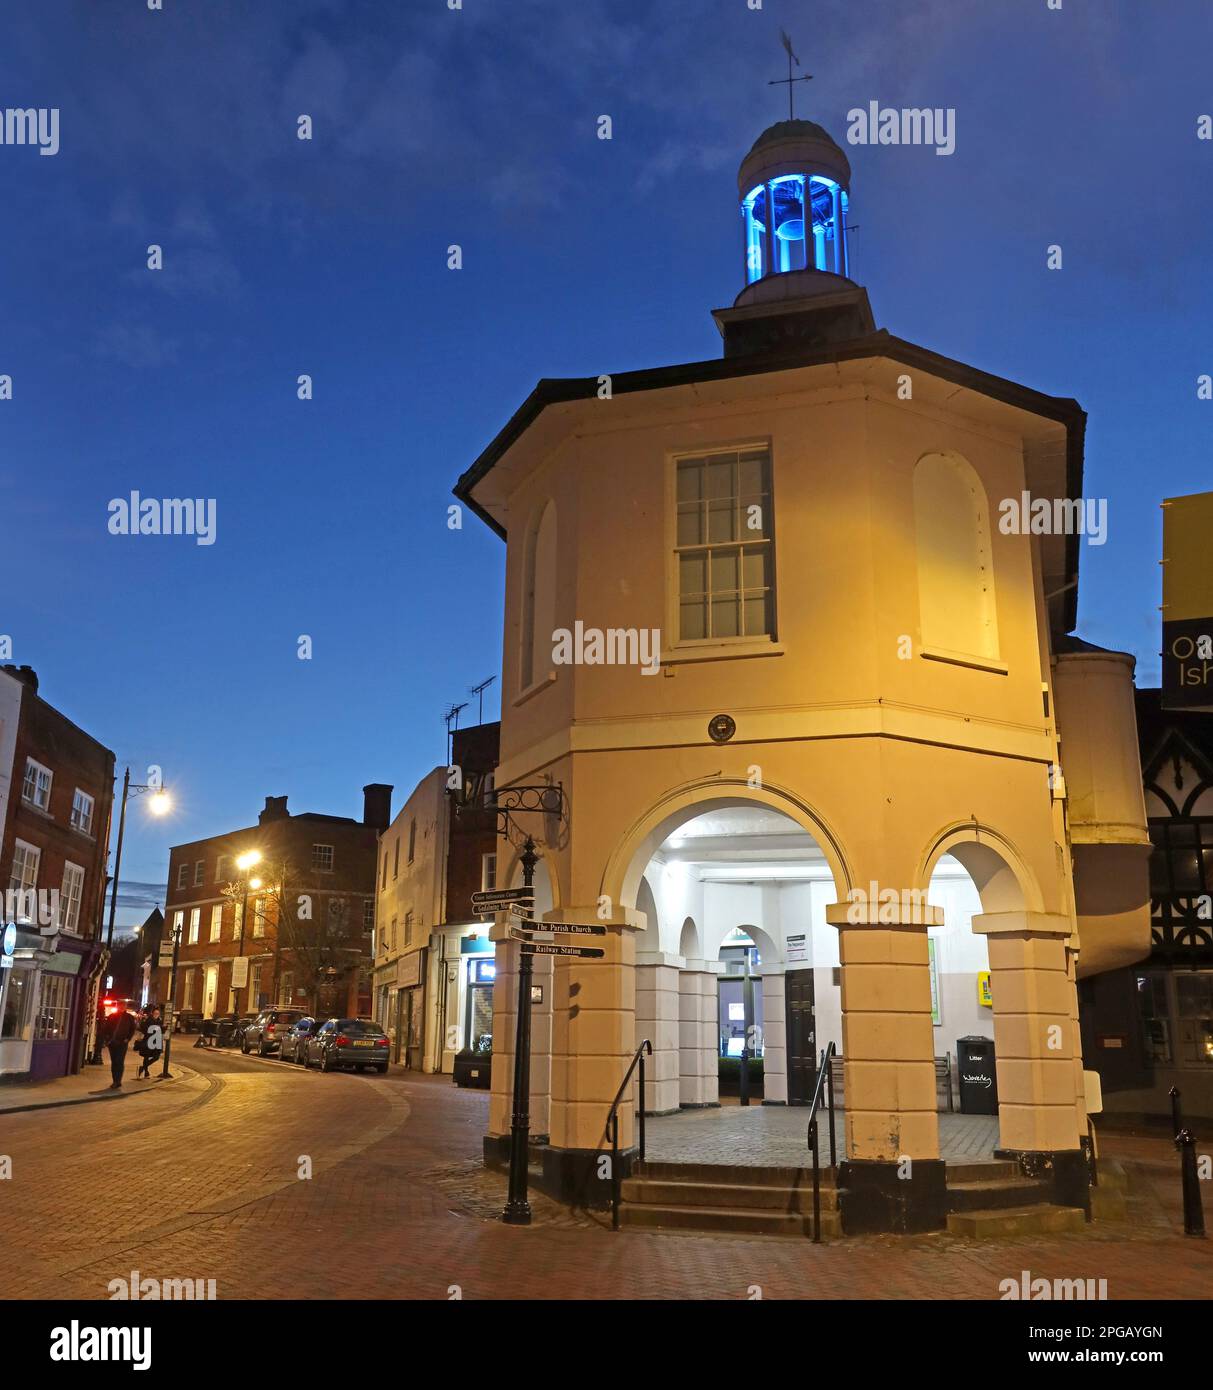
[794, 187]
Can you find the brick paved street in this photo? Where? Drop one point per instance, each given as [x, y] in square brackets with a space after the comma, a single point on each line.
[199, 1178]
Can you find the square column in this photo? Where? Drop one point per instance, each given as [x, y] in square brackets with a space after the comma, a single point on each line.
[887, 1039]
[774, 1039]
[1035, 1023]
[657, 1001]
[698, 1036]
[593, 1035]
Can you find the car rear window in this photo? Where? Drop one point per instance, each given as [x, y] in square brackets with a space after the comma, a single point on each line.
[360, 1027]
[286, 1016]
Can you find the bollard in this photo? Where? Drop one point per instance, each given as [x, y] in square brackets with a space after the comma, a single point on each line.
[1194, 1217]
[1176, 1118]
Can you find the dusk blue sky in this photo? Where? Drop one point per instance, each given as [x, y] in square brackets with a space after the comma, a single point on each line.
[329, 257]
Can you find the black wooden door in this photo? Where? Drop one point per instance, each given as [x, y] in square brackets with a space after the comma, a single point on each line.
[802, 1036]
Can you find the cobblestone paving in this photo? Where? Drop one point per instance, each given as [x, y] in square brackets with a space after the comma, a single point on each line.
[200, 1179]
[776, 1136]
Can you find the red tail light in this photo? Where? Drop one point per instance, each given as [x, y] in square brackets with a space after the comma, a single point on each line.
[341, 1040]
[269, 1027]
[380, 1042]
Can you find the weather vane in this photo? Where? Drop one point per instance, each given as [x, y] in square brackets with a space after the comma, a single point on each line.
[789, 79]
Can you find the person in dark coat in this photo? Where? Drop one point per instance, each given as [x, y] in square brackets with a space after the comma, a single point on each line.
[121, 1031]
[152, 1043]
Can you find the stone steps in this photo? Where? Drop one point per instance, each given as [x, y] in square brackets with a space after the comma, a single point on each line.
[755, 1196]
[737, 1220]
[722, 1173]
[718, 1197]
[1001, 1193]
[981, 1170]
[996, 1223]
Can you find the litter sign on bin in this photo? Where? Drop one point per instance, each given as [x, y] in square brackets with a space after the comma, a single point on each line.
[978, 1081]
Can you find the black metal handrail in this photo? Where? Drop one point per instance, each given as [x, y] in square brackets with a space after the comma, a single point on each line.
[612, 1126]
[825, 1078]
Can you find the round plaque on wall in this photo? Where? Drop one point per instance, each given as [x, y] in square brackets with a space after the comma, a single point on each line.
[721, 728]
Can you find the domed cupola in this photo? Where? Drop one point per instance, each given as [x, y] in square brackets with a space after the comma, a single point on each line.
[794, 189]
[794, 165]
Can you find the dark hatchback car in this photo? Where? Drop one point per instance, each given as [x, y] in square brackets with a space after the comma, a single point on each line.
[347, 1042]
[265, 1031]
[294, 1040]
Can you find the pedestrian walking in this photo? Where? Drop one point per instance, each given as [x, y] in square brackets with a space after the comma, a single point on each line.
[151, 1045]
[121, 1030]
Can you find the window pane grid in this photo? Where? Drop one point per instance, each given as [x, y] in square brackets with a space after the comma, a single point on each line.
[723, 546]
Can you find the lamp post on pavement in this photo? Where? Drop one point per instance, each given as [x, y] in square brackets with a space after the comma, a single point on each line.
[244, 863]
[158, 804]
[170, 1012]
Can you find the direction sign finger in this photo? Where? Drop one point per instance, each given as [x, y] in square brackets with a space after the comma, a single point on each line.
[538, 948]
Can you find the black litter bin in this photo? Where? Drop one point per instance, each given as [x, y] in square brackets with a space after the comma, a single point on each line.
[978, 1082]
[473, 1068]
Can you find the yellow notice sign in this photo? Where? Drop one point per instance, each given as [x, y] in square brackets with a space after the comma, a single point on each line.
[984, 997]
[1187, 602]
[1187, 569]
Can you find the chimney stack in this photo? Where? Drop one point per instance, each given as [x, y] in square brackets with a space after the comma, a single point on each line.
[275, 809]
[25, 674]
[377, 805]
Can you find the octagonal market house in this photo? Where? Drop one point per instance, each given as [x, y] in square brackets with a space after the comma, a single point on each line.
[868, 765]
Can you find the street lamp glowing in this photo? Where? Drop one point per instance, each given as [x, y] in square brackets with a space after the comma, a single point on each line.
[248, 859]
[254, 883]
[159, 803]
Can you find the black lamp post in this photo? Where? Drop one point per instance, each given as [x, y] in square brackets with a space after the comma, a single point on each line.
[159, 805]
[170, 1011]
[517, 1207]
[545, 799]
[245, 863]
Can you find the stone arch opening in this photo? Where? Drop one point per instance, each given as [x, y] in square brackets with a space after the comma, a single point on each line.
[627, 864]
[702, 866]
[999, 955]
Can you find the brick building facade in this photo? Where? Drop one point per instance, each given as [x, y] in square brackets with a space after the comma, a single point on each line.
[304, 925]
[433, 961]
[56, 798]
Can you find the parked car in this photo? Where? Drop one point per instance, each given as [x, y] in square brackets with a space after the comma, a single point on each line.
[348, 1042]
[291, 1048]
[187, 1021]
[265, 1031]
